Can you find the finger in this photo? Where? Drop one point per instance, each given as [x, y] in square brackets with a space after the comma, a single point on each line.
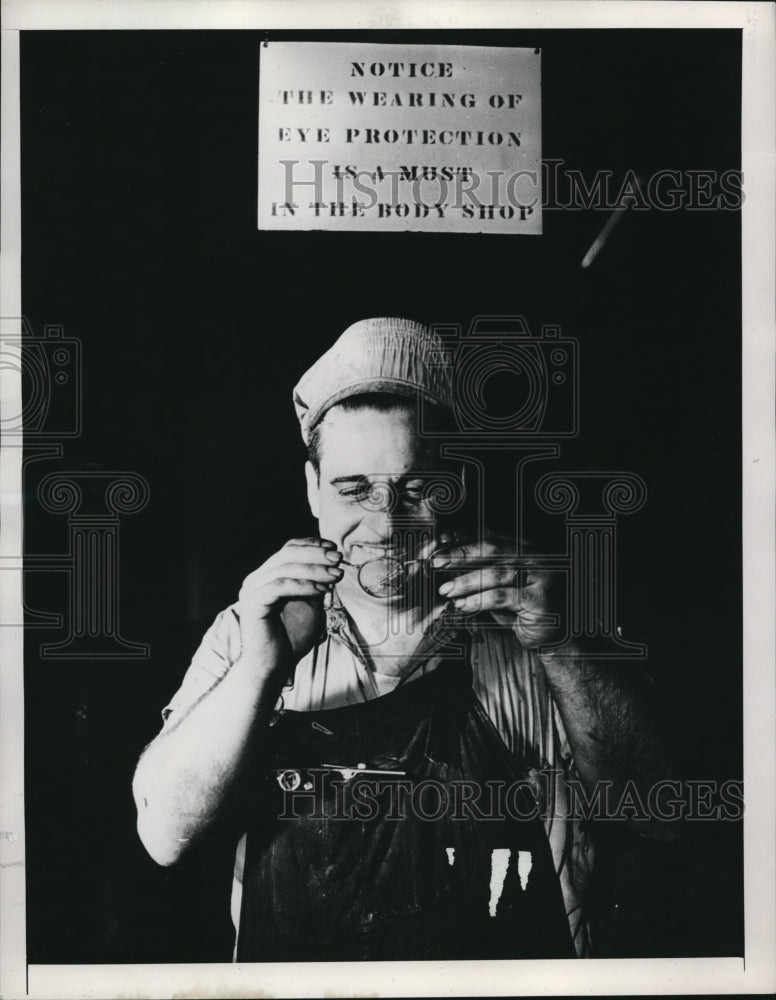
[476, 580]
[504, 599]
[312, 540]
[483, 551]
[283, 588]
[315, 572]
[530, 570]
[511, 570]
[500, 601]
[501, 598]
[307, 550]
[299, 553]
[527, 603]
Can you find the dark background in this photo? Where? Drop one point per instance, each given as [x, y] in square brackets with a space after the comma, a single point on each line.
[139, 238]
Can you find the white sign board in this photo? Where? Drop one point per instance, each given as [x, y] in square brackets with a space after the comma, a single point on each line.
[389, 138]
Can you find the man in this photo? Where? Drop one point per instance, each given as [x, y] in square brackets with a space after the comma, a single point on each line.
[393, 653]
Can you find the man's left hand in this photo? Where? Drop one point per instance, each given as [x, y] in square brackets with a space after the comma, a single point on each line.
[488, 576]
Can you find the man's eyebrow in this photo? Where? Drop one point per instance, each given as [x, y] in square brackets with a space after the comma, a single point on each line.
[365, 478]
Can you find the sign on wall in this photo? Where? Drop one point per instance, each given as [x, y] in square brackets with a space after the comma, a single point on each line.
[388, 138]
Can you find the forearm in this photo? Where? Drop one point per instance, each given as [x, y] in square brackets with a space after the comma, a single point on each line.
[186, 774]
[613, 721]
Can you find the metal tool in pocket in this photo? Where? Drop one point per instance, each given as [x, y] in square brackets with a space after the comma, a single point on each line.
[290, 779]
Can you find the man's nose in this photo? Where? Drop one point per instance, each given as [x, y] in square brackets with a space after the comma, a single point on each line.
[395, 525]
[383, 523]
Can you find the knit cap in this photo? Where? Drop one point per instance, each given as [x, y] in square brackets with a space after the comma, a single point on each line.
[391, 355]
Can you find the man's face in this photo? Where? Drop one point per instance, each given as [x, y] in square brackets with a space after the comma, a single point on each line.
[366, 457]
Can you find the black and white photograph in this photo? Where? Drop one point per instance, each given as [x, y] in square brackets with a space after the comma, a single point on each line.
[387, 483]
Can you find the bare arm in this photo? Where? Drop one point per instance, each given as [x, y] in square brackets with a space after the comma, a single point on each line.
[613, 722]
[186, 775]
[610, 712]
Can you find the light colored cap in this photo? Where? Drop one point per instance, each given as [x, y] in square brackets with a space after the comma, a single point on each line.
[375, 355]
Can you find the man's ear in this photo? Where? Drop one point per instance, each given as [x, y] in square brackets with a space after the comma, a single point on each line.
[313, 488]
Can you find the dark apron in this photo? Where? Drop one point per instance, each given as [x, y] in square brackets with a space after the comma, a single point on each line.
[347, 872]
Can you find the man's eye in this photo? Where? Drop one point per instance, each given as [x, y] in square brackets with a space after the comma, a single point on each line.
[413, 492]
[355, 493]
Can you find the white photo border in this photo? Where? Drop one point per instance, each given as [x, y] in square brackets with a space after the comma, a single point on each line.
[756, 973]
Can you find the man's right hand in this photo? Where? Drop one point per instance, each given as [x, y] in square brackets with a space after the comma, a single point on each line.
[185, 775]
[281, 603]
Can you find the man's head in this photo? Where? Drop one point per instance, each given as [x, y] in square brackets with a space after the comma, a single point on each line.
[371, 473]
[371, 470]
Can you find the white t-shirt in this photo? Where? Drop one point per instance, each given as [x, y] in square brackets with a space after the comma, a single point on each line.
[509, 681]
